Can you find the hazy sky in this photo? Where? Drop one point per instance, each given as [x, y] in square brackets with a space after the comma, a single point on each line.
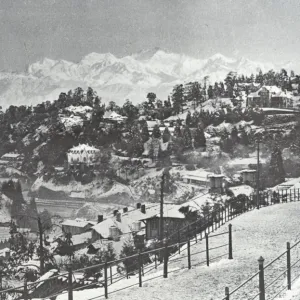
[69, 29]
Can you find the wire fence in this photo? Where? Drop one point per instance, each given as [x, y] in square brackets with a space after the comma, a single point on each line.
[111, 277]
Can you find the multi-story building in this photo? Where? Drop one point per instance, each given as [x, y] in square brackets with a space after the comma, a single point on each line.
[82, 155]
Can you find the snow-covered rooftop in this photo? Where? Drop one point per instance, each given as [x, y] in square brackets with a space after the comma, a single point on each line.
[77, 223]
[11, 155]
[83, 147]
[242, 189]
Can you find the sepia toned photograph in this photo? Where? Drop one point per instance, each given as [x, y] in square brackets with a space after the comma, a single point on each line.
[149, 149]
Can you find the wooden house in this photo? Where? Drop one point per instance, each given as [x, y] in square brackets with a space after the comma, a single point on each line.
[173, 220]
[77, 226]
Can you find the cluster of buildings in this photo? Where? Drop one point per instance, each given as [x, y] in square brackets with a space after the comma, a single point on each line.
[253, 94]
[140, 223]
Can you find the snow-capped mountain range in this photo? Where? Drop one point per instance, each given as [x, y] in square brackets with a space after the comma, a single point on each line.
[130, 77]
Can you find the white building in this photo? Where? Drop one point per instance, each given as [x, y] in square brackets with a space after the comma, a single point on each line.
[113, 116]
[82, 154]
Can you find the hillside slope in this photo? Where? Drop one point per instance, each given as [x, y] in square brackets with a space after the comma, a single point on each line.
[257, 233]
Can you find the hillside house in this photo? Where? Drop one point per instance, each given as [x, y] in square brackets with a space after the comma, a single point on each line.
[270, 96]
[11, 159]
[114, 117]
[119, 224]
[173, 220]
[248, 176]
[77, 226]
[82, 155]
[198, 177]
[4, 254]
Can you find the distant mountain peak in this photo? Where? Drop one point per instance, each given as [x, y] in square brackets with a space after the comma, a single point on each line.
[147, 54]
[95, 57]
[221, 57]
[115, 79]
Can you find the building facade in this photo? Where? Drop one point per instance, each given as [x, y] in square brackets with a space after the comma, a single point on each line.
[82, 155]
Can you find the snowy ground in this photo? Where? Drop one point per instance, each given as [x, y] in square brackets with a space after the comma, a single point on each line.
[257, 233]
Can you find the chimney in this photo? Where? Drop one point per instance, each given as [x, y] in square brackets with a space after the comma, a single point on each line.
[138, 205]
[7, 254]
[143, 208]
[216, 183]
[100, 218]
[118, 216]
[115, 212]
[125, 209]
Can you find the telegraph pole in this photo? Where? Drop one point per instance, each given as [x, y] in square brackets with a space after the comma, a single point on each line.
[161, 221]
[40, 228]
[257, 175]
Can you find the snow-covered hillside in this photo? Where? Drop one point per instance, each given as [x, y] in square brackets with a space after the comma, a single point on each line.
[129, 77]
[266, 238]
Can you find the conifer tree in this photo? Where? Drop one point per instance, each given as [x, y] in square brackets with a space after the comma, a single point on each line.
[145, 133]
[234, 135]
[276, 169]
[188, 120]
[166, 135]
[156, 132]
[187, 136]
[244, 138]
[199, 138]
[177, 131]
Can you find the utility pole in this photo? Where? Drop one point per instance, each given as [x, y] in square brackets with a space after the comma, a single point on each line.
[40, 228]
[161, 221]
[257, 175]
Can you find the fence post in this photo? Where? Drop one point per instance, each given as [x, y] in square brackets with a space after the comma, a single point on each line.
[178, 240]
[105, 281]
[126, 267]
[166, 261]
[225, 212]
[70, 283]
[189, 250]
[207, 249]
[208, 226]
[227, 293]
[25, 292]
[111, 279]
[155, 257]
[230, 241]
[261, 279]
[140, 269]
[288, 257]
[212, 221]
[219, 217]
[222, 215]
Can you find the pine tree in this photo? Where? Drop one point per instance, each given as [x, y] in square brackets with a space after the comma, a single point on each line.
[276, 169]
[244, 137]
[145, 133]
[187, 136]
[166, 135]
[199, 138]
[259, 78]
[177, 131]
[178, 98]
[188, 120]
[156, 132]
[210, 92]
[234, 135]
